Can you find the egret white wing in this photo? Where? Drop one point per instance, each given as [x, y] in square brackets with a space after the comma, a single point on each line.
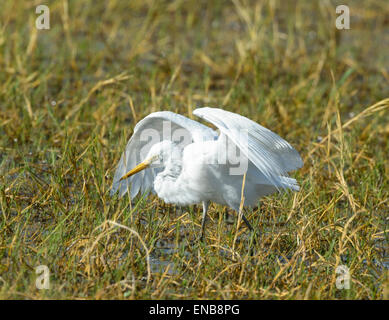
[154, 128]
[271, 154]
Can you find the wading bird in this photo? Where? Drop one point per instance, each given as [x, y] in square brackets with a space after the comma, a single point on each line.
[185, 162]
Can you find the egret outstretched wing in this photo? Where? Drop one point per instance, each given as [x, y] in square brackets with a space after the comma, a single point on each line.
[271, 154]
[154, 128]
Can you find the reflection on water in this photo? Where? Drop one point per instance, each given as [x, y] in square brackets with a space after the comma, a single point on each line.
[161, 258]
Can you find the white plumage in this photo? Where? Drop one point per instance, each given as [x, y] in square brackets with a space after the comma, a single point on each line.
[185, 162]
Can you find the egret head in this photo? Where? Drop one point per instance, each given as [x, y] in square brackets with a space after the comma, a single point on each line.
[157, 157]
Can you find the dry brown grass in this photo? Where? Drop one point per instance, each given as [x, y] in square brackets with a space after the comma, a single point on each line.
[106, 66]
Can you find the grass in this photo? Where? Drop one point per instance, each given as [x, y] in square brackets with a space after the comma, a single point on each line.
[70, 97]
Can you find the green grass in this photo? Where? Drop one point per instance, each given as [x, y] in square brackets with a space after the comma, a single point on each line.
[70, 97]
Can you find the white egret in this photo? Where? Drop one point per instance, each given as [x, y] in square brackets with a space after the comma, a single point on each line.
[185, 162]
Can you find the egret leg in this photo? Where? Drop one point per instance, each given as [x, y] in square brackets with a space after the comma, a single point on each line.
[251, 230]
[247, 223]
[240, 213]
[204, 218]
